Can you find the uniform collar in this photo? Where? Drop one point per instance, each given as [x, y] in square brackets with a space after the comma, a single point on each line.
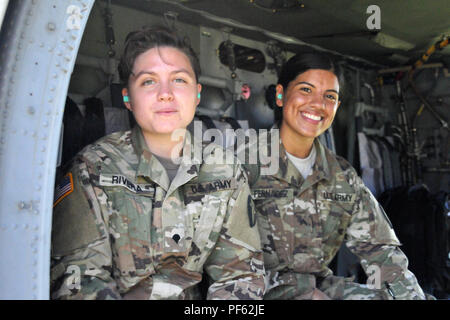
[149, 167]
[289, 173]
[321, 167]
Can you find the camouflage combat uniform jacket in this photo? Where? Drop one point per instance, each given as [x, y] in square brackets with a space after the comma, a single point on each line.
[120, 230]
[303, 223]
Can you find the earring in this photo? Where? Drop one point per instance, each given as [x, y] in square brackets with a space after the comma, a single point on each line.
[199, 95]
[126, 99]
[279, 96]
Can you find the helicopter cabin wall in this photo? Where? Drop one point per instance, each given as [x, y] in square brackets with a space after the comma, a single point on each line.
[424, 136]
[371, 103]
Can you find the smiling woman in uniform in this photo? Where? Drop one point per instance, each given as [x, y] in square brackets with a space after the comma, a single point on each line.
[138, 217]
[324, 202]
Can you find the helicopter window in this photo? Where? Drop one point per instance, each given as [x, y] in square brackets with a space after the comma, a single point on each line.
[245, 58]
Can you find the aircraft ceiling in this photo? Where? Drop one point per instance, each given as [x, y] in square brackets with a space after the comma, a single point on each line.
[408, 28]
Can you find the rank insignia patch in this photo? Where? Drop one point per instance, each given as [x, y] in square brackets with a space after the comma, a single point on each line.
[63, 189]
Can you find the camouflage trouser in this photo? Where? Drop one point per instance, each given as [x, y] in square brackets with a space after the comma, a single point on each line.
[340, 288]
[303, 286]
[290, 286]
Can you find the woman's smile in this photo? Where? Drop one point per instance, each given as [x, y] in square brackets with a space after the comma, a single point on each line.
[311, 117]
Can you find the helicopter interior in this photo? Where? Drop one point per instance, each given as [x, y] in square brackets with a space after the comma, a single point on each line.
[392, 124]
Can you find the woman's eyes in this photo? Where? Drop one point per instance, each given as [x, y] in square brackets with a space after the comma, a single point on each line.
[149, 82]
[306, 89]
[328, 96]
[180, 80]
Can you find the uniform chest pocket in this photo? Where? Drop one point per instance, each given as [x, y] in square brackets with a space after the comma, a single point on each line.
[336, 207]
[210, 220]
[206, 219]
[335, 219]
[267, 230]
[130, 231]
[277, 229]
[306, 218]
[307, 232]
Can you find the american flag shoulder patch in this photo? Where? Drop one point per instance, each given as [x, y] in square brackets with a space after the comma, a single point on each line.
[63, 189]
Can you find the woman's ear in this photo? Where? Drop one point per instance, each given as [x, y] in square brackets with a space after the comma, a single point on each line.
[199, 90]
[279, 94]
[126, 98]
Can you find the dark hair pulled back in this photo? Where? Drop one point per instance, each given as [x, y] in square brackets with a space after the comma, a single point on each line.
[303, 62]
[139, 41]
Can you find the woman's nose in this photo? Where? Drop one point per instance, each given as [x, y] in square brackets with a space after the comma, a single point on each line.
[318, 101]
[165, 92]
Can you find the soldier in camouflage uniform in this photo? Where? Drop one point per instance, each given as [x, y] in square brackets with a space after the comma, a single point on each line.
[305, 217]
[123, 227]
